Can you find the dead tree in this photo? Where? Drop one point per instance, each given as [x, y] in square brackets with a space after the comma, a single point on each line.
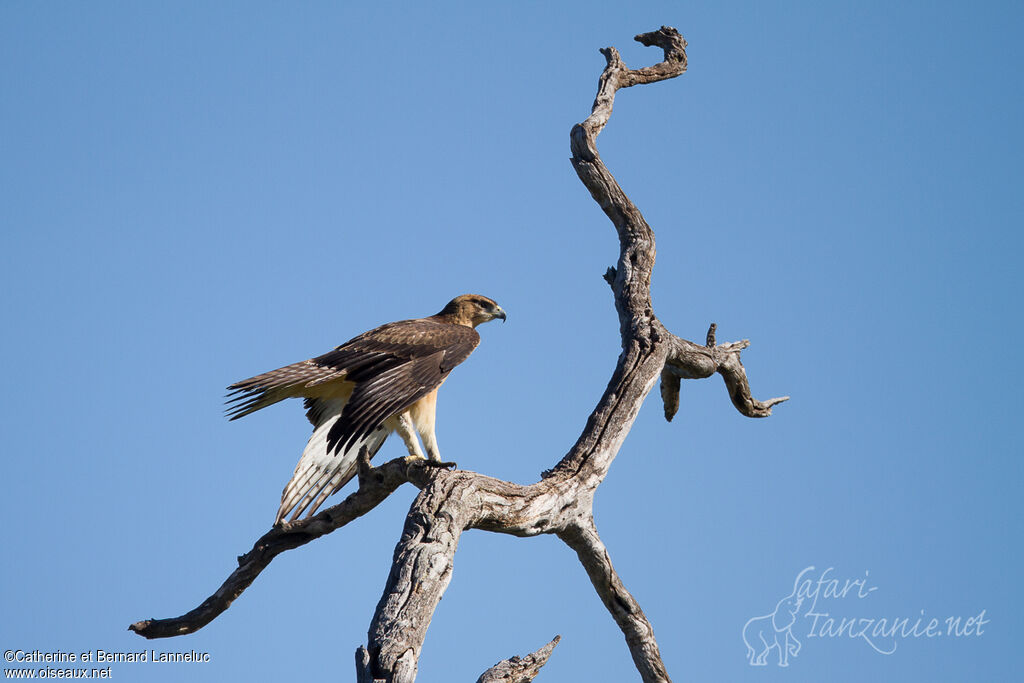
[561, 503]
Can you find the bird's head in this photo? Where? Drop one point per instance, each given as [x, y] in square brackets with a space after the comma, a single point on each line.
[471, 310]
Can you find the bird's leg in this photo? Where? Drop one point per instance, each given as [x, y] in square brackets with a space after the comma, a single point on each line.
[423, 414]
[430, 443]
[406, 431]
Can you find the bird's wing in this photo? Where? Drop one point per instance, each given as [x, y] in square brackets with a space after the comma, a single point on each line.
[417, 357]
[291, 381]
[370, 355]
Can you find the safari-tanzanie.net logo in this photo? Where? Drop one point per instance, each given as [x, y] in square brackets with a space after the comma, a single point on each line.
[822, 606]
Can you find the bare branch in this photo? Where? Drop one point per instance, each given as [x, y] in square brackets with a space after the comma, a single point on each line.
[731, 370]
[670, 384]
[374, 486]
[561, 502]
[420, 573]
[616, 75]
[636, 240]
[687, 360]
[519, 670]
[624, 609]
[645, 343]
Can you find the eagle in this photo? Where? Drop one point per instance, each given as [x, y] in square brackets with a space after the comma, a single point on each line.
[382, 381]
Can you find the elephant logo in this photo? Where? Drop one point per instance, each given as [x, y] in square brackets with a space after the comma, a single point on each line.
[774, 630]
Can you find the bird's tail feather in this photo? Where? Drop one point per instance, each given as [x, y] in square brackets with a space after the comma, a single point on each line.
[321, 470]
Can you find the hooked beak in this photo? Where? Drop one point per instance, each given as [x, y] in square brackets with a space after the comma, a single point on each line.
[499, 312]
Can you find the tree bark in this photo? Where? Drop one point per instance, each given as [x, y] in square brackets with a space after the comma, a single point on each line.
[519, 670]
[561, 503]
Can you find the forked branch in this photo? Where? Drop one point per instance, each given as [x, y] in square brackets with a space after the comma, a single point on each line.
[561, 503]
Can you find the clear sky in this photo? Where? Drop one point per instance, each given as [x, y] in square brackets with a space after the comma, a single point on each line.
[192, 193]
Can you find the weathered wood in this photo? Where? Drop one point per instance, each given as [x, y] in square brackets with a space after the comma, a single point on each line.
[561, 503]
[519, 669]
[620, 602]
[372, 491]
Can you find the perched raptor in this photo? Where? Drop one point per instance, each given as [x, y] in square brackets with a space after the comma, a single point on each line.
[384, 380]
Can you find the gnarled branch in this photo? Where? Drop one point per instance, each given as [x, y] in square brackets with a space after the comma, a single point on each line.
[687, 360]
[374, 486]
[519, 669]
[623, 607]
[561, 503]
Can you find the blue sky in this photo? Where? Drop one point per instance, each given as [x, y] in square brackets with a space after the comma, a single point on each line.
[193, 193]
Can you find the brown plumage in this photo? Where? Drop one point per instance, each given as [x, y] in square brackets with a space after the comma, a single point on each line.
[381, 381]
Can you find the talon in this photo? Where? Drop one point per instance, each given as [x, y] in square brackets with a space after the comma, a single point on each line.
[436, 463]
